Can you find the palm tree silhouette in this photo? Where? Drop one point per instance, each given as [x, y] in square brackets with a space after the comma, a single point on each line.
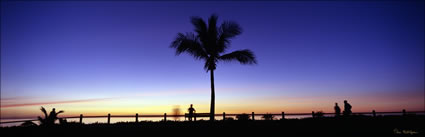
[49, 119]
[209, 43]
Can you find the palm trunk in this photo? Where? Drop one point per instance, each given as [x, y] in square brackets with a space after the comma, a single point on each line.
[212, 108]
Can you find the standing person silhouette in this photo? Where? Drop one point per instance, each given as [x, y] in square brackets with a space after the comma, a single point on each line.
[337, 110]
[191, 112]
[347, 108]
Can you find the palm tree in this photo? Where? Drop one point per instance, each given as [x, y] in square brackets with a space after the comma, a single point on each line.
[209, 44]
[49, 119]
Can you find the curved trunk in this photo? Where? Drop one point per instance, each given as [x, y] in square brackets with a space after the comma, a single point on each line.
[212, 108]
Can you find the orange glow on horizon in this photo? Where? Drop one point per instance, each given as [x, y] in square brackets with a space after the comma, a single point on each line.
[236, 106]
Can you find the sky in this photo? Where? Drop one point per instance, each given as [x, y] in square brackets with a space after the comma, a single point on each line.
[101, 57]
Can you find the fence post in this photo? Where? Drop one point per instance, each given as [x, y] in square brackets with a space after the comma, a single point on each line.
[253, 116]
[137, 117]
[373, 113]
[194, 116]
[224, 116]
[312, 114]
[404, 112]
[283, 115]
[109, 118]
[81, 118]
[165, 117]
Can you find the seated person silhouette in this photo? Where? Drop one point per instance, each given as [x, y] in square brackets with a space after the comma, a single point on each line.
[347, 108]
[337, 110]
[52, 116]
[191, 112]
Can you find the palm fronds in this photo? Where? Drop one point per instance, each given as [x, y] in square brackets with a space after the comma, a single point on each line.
[211, 41]
[243, 56]
[49, 119]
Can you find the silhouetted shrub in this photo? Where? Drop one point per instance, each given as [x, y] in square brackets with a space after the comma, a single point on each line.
[319, 114]
[268, 117]
[229, 118]
[242, 116]
[28, 124]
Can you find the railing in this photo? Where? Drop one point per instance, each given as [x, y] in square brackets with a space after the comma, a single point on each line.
[224, 115]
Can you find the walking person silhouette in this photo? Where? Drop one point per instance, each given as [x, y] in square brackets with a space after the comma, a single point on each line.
[191, 112]
[337, 110]
[347, 108]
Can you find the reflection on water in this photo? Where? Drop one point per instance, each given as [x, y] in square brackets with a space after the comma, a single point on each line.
[155, 119]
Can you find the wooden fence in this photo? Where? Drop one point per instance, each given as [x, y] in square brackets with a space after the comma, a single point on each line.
[224, 115]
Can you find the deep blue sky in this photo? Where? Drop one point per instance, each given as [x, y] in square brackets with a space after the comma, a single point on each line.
[324, 52]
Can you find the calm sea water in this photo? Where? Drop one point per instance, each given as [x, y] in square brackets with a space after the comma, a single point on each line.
[127, 119]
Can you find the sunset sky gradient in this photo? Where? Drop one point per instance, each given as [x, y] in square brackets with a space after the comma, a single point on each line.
[102, 57]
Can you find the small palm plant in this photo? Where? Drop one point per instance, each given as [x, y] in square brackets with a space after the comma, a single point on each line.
[49, 119]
